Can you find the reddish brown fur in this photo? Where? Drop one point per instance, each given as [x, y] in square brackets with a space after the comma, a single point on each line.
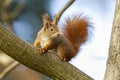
[76, 31]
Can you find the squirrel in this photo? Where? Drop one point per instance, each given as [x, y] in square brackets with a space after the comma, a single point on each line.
[66, 44]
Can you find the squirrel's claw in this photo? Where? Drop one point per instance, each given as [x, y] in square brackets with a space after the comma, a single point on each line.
[42, 50]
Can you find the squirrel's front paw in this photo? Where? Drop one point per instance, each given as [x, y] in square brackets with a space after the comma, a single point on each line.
[42, 50]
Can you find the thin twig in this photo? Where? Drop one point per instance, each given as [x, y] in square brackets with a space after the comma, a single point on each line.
[58, 15]
[8, 69]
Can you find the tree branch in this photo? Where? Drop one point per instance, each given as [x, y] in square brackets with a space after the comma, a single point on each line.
[58, 15]
[28, 55]
[8, 69]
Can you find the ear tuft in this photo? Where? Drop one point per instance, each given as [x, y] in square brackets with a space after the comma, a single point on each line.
[46, 20]
[55, 21]
[45, 17]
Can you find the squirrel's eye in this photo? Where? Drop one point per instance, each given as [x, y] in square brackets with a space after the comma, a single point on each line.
[51, 29]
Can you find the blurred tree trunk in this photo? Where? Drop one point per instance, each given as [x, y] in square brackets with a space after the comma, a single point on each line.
[113, 64]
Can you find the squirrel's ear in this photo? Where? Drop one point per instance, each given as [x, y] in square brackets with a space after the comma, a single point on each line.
[46, 25]
[55, 21]
[45, 17]
[46, 20]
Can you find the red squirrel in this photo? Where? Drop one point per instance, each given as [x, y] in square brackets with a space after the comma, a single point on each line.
[67, 44]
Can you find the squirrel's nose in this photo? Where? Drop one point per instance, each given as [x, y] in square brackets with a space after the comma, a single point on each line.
[58, 34]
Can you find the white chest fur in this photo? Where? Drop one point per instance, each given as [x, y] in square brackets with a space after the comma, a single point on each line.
[43, 40]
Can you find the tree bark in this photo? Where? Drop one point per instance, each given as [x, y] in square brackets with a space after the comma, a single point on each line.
[46, 63]
[113, 64]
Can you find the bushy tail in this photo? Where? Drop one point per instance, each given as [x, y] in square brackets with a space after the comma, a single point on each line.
[76, 30]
